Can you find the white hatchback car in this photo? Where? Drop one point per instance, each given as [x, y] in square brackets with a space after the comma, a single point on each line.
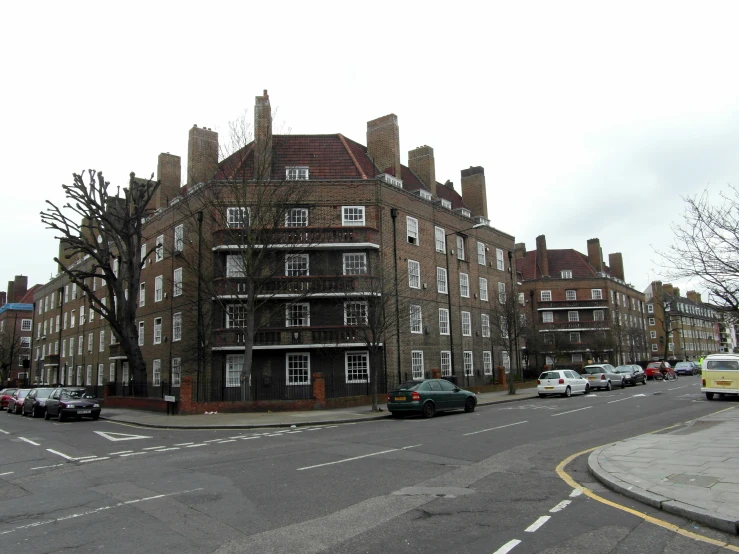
[561, 381]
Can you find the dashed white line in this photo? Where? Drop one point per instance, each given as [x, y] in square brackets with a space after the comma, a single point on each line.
[561, 506]
[358, 457]
[507, 547]
[7, 473]
[60, 454]
[195, 445]
[132, 454]
[154, 447]
[213, 440]
[95, 459]
[248, 438]
[575, 492]
[538, 523]
[121, 452]
[184, 443]
[85, 457]
[4, 432]
[168, 449]
[619, 400]
[29, 441]
[41, 467]
[571, 411]
[226, 440]
[494, 428]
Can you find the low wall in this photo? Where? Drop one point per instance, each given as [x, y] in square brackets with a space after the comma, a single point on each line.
[132, 403]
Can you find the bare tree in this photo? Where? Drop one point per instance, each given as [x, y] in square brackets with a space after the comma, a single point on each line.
[102, 236]
[10, 348]
[510, 320]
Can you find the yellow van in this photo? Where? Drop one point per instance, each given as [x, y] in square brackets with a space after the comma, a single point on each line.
[720, 375]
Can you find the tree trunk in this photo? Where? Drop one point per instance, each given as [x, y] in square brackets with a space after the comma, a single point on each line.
[248, 343]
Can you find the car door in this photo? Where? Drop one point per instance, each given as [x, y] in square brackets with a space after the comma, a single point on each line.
[572, 380]
[52, 404]
[436, 394]
[28, 402]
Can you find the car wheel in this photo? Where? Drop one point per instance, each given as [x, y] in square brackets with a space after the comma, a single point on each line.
[587, 389]
[61, 417]
[623, 385]
[429, 409]
[469, 405]
[96, 417]
[709, 396]
[34, 412]
[608, 386]
[542, 395]
[568, 392]
[47, 417]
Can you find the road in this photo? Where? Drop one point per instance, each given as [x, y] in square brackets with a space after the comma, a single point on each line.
[484, 482]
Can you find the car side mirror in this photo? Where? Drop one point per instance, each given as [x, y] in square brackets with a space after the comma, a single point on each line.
[456, 389]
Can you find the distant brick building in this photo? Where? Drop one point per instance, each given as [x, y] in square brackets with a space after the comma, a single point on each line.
[16, 319]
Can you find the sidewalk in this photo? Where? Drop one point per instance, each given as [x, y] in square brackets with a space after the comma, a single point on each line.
[251, 420]
[692, 471]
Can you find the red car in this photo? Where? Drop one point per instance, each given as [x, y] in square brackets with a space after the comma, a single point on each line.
[653, 371]
[15, 404]
[5, 396]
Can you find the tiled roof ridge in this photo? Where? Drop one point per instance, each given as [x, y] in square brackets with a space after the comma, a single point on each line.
[351, 155]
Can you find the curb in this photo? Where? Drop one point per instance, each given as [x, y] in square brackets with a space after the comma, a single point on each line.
[726, 524]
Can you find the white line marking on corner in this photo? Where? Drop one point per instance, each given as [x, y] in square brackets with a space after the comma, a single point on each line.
[561, 506]
[494, 428]
[507, 547]
[619, 400]
[94, 459]
[575, 492]
[121, 452]
[132, 454]
[42, 467]
[538, 523]
[359, 457]
[29, 441]
[85, 457]
[4, 432]
[168, 449]
[7, 473]
[571, 411]
[60, 454]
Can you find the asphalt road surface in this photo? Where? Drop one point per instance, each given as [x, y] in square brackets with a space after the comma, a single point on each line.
[484, 482]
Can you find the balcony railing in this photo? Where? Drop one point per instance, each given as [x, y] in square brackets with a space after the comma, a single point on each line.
[559, 304]
[305, 236]
[574, 325]
[294, 335]
[298, 285]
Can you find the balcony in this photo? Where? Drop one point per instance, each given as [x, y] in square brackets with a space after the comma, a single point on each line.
[51, 359]
[304, 237]
[116, 352]
[582, 325]
[295, 335]
[573, 304]
[298, 286]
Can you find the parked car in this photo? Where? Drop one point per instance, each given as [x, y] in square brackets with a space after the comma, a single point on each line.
[603, 376]
[5, 396]
[561, 381]
[15, 404]
[632, 374]
[652, 370]
[660, 372]
[686, 368]
[428, 396]
[34, 404]
[64, 403]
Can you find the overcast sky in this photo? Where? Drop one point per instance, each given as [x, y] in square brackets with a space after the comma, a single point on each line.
[591, 119]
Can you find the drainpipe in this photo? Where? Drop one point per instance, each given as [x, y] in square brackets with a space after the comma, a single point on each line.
[394, 215]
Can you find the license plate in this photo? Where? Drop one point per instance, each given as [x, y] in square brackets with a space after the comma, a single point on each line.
[548, 388]
[723, 383]
[399, 398]
[84, 411]
[592, 378]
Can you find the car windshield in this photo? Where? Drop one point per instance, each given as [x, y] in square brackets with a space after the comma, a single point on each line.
[43, 393]
[684, 364]
[23, 392]
[592, 369]
[408, 385]
[75, 393]
[623, 369]
[8, 391]
[653, 365]
[549, 375]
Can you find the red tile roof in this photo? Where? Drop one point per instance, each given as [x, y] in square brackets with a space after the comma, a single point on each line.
[559, 259]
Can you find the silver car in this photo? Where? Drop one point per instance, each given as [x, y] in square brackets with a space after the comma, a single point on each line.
[603, 376]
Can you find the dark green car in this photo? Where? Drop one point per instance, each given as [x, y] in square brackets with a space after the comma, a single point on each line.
[428, 396]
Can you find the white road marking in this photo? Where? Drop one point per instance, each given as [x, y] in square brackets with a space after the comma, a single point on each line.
[248, 438]
[276, 434]
[507, 547]
[575, 492]
[60, 454]
[195, 445]
[4, 432]
[678, 388]
[494, 428]
[42, 467]
[637, 395]
[94, 459]
[538, 523]
[183, 443]
[154, 447]
[96, 510]
[571, 411]
[121, 452]
[7, 473]
[132, 454]
[29, 441]
[619, 400]
[227, 440]
[168, 449]
[212, 440]
[85, 457]
[358, 457]
[115, 437]
[561, 506]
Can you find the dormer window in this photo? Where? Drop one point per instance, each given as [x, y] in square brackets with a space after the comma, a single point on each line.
[566, 274]
[446, 204]
[297, 173]
[426, 195]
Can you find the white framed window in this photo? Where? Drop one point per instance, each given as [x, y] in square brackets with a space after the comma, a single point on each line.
[651, 321]
[89, 342]
[598, 315]
[235, 316]
[64, 322]
[566, 274]
[446, 203]
[177, 282]
[296, 217]
[141, 333]
[355, 264]
[596, 294]
[441, 281]
[654, 348]
[355, 313]
[573, 315]
[74, 293]
[235, 266]
[411, 228]
[124, 373]
[236, 217]
[176, 327]
[142, 295]
[78, 380]
[297, 315]
[356, 366]
[101, 346]
[143, 257]
[158, 288]
[575, 337]
[416, 322]
[71, 346]
[483, 289]
[546, 296]
[101, 368]
[159, 254]
[521, 299]
[577, 358]
[297, 173]
[481, 253]
[297, 265]
[466, 324]
[88, 376]
[464, 285]
[571, 294]
[58, 326]
[460, 248]
[547, 317]
[414, 274]
[157, 330]
[440, 239]
[652, 334]
[66, 293]
[417, 364]
[485, 323]
[297, 368]
[500, 264]
[487, 362]
[352, 216]
[80, 344]
[234, 366]
[505, 361]
[26, 343]
[26, 324]
[443, 321]
[650, 308]
[501, 293]
[467, 356]
[176, 372]
[446, 363]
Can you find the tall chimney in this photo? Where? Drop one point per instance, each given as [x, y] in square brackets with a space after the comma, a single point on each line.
[542, 257]
[595, 254]
[3, 298]
[520, 249]
[421, 162]
[262, 138]
[64, 258]
[20, 287]
[616, 261]
[383, 143]
[694, 296]
[202, 155]
[169, 172]
[676, 291]
[667, 288]
[473, 190]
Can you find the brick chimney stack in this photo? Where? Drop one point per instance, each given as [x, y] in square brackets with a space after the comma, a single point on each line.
[667, 288]
[542, 257]
[676, 290]
[17, 289]
[202, 155]
[421, 162]
[473, 190]
[519, 250]
[383, 143]
[169, 172]
[595, 254]
[2, 299]
[262, 138]
[694, 296]
[616, 262]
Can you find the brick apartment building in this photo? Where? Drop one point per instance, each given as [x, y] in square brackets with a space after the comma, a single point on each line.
[581, 308]
[16, 318]
[688, 327]
[362, 215]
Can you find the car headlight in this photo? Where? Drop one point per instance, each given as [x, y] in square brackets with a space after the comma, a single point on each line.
[71, 406]
[96, 405]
